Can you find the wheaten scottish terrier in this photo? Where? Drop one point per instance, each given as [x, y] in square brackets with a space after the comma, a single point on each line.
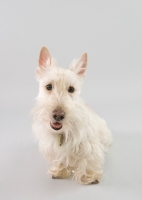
[71, 136]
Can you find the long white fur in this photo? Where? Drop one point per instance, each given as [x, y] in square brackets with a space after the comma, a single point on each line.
[86, 136]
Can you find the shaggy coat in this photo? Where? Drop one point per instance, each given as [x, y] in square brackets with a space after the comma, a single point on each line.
[85, 135]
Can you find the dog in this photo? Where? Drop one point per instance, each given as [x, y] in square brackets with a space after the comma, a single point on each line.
[72, 137]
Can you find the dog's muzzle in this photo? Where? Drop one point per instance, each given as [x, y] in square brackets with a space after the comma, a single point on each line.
[58, 115]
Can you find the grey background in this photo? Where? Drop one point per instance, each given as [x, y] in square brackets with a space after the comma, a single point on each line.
[111, 33]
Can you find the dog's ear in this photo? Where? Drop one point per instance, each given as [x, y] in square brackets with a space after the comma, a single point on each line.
[44, 58]
[79, 66]
[44, 62]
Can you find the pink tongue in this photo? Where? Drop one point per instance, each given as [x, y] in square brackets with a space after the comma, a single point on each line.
[56, 125]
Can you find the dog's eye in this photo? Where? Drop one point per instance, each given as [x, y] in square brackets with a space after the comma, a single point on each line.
[71, 89]
[49, 87]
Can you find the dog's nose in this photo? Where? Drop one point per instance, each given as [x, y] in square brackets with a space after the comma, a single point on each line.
[58, 115]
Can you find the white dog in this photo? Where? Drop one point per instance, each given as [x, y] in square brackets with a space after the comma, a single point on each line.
[71, 136]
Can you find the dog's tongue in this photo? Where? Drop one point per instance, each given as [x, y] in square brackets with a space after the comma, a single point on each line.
[56, 125]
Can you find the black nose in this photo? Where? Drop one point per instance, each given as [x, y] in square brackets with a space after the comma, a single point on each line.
[58, 115]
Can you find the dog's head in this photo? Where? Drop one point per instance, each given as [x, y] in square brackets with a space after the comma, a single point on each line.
[59, 91]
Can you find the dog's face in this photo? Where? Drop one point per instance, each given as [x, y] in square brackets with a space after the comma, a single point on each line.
[59, 90]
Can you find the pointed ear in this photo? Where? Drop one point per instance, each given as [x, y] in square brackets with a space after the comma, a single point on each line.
[79, 67]
[44, 58]
[44, 62]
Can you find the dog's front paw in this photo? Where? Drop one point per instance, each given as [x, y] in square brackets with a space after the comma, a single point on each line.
[55, 177]
[95, 182]
[60, 174]
[89, 178]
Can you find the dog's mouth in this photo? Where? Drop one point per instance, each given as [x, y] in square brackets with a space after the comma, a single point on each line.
[56, 125]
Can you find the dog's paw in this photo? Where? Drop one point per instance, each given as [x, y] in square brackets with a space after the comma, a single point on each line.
[60, 174]
[95, 182]
[55, 177]
[88, 178]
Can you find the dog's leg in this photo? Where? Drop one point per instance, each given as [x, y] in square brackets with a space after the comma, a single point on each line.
[89, 177]
[60, 172]
[88, 173]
